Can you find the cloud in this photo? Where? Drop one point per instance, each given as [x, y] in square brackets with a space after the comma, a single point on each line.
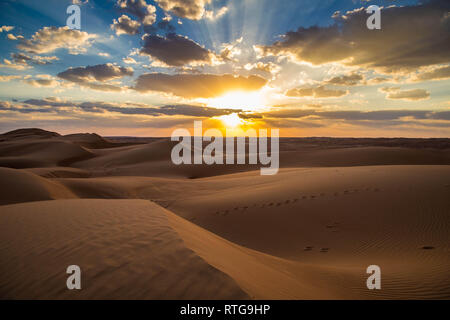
[190, 9]
[9, 78]
[100, 72]
[378, 80]
[49, 39]
[197, 85]
[6, 28]
[175, 50]
[352, 79]
[13, 65]
[395, 93]
[9, 107]
[146, 13]
[167, 110]
[230, 50]
[163, 25]
[352, 115]
[129, 60]
[125, 25]
[439, 73]
[42, 82]
[316, 92]
[21, 58]
[268, 67]
[214, 15]
[289, 123]
[132, 108]
[411, 37]
[88, 76]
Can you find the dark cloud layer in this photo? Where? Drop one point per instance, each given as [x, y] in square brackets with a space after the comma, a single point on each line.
[130, 108]
[197, 85]
[175, 50]
[86, 76]
[348, 115]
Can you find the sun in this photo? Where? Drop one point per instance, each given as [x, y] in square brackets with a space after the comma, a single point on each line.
[231, 120]
[243, 100]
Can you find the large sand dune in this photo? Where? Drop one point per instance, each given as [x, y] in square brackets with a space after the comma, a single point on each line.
[125, 249]
[219, 232]
[22, 186]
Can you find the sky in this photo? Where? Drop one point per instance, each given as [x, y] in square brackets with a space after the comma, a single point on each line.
[305, 67]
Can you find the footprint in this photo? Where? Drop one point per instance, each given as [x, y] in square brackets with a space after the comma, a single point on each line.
[427, 247]
[313, 197]
[287, 201]
[324, 250]
[270, 204]
[304, 197]
[308, 248]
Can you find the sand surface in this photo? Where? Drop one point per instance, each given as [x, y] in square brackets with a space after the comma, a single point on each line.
[141, 228]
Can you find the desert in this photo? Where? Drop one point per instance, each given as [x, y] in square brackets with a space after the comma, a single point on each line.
[141, 227]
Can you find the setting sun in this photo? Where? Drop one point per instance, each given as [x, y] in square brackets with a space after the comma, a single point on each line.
[249, 101]
[231, 120]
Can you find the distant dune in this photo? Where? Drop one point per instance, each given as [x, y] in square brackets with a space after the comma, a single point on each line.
[142, 228]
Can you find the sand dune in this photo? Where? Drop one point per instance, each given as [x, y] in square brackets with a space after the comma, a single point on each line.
[22, 186]
[125, 249]
[324, 225]
[40, 153]
[192, 232]
[60, 172]
[154, 160]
